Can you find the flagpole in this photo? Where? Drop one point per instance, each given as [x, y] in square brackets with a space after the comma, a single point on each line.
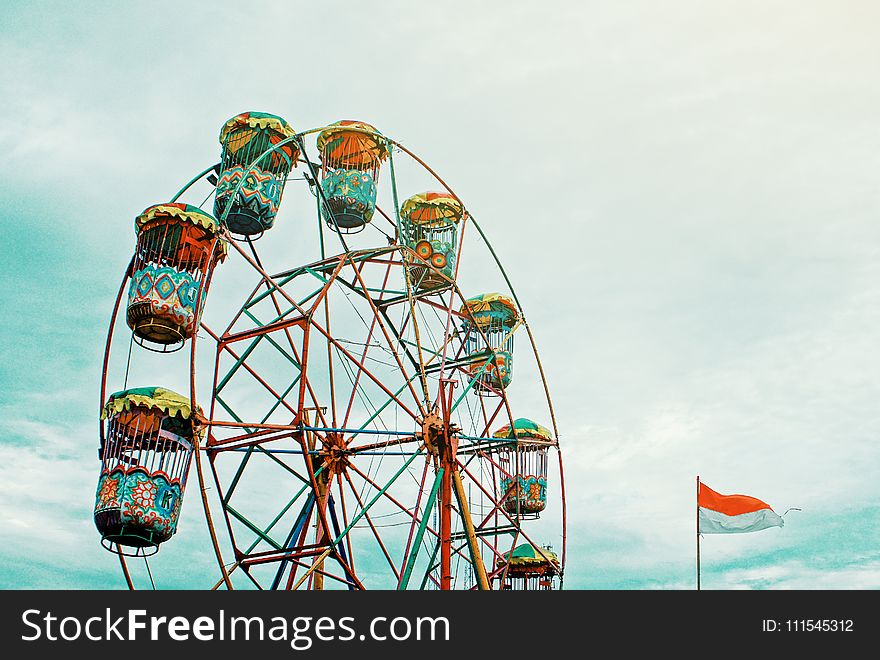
[698, 532]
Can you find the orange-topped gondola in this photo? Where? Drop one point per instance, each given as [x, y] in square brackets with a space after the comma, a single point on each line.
[178, 247]
[430, 226]
[490, 320]
[352, 152]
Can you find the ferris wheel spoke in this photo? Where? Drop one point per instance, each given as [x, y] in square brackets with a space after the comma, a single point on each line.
[407, 563]
[241, 362]
[280, 399]
[469, 531]
[320, 571]
[366, 371]
[457, 552]
[276, 287]
[250, 438]
[297, 363]
[361, 513]
[227, 494]
[378, 315]
[367, 341]
[360, 393]
[298, 538]
[268, 279]
[429, 572]
[385, 444]
[379, 410]
[372, 526]
[253, 527]
[341, 490]
[391, 498]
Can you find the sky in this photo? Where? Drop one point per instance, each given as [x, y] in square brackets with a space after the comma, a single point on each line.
[683, 193]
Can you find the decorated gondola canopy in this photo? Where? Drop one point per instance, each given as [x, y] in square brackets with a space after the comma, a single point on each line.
[184, 212]
[257, 120]
[524, 429]
[145, 456]
[523, 461]
[351, 157]
[185, 250]
[432, 209]
[164, 400]
[178, 246]
[258, 153]
[430, 227]
[251, 133]
[489, 309]
[526, 556]
[352, 144]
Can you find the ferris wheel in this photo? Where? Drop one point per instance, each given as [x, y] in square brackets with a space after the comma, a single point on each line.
[352, 416]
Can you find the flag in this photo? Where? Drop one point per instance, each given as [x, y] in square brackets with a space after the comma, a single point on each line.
[733, 514]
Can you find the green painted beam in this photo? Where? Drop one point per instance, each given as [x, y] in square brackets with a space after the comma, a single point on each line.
[274, 343]
[423, 525]
[256, 530]
[430, 566]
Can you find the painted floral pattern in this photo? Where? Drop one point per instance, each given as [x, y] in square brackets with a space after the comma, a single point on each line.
[147, 503]
[144, 494]
[498, 372]
[532, 494]
[108, 493]
[350, 193]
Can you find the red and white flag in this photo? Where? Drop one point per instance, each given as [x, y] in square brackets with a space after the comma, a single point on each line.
[733, 514]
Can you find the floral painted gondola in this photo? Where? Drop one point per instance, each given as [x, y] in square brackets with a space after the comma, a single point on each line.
[177, 250]
[523, 460]
[352, 152]
[430, 226]
[260, 183]
[490, 320]
[145, 456]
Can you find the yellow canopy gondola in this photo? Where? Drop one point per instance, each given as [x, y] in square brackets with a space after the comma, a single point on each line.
[430, 222]
[351, 156]
[145, 457]
[185, 212]
[177, 250]
[127, 408]
[524, 463]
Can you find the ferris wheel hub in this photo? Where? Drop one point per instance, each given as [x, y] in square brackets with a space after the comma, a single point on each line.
[438, 435]
[335, 453]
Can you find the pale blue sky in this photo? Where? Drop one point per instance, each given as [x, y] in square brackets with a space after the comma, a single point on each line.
[685, 194]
